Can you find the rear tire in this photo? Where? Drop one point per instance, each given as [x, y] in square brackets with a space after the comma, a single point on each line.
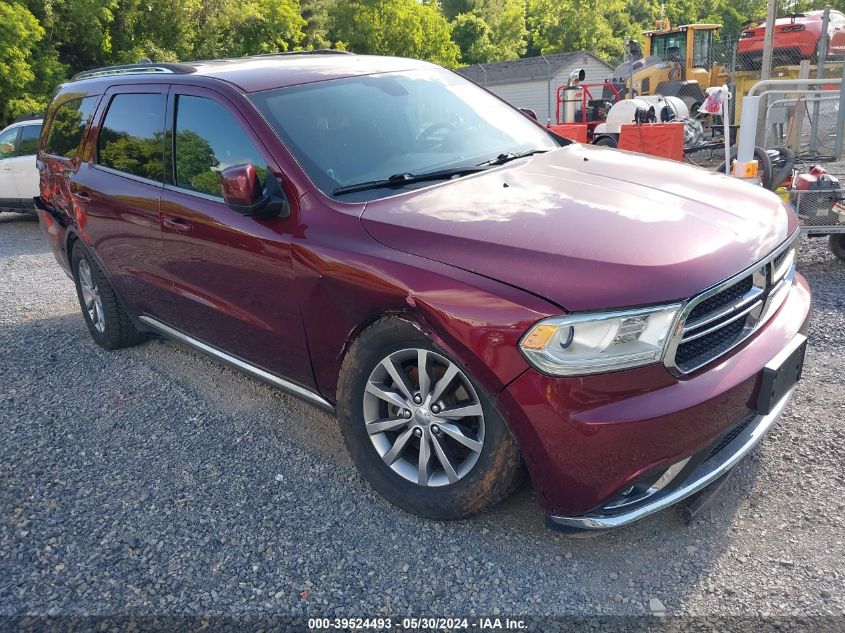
[837, 245]
[470, 465]
[107, 321]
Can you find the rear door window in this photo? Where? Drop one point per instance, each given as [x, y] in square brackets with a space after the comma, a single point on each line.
[29, 140]
[207, 141]
[132, 135]
[68, 126]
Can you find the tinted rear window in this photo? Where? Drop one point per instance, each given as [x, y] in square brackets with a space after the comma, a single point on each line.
[29, 140]
[68, 125]
[131, 138]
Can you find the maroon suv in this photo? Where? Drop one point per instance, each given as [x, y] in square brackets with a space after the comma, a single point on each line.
[470, 294]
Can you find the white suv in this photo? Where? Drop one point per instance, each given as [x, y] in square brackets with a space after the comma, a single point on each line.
[18, 175]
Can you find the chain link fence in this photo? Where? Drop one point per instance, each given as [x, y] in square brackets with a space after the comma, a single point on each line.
[805, 122]
[820, 210]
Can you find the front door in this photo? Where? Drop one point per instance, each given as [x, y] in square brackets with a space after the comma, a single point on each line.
[232, 275]
[23, 166]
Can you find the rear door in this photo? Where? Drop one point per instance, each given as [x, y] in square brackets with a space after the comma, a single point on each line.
[232, 274]
[9, 198]
[117, 189]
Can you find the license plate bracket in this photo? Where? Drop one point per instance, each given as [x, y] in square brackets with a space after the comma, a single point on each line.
[781, 373]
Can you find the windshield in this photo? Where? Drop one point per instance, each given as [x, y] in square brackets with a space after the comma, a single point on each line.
[362, 129]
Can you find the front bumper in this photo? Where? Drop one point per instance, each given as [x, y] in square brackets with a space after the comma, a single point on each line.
[588, 439]
[707, 473]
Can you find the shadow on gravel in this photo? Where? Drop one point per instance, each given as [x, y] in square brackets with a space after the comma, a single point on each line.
[156, 453]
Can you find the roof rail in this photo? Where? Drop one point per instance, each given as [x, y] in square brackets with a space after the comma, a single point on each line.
[316, 51]
[144, 67]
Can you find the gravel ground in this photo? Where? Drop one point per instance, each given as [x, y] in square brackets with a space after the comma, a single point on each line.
[155, 481]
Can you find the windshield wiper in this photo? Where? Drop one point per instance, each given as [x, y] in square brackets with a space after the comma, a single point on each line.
[501, 159]
[400, 180]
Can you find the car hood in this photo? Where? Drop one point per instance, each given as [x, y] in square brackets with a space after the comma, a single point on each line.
[588, 227]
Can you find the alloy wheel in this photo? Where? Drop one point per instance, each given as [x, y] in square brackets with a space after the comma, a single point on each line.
[91, 297]
[424, 417]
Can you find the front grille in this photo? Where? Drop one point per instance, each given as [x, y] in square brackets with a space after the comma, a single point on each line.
[721, 318]
[721, 299]
[779, 259]
[701, 350]
[731, 435]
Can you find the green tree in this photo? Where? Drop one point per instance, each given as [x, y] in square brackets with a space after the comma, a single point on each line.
[453, 8]
[472, 35]
[559, 26]
[159, 30]
[20, 32]
[316, 16]
[236, 27]
[78, 30]
[393, 27]
[510, 34]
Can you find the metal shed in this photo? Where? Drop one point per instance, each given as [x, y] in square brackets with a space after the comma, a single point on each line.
[532, 82]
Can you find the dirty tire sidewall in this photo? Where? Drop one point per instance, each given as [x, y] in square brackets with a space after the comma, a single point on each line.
[119, 330]
[495, 475]
[837, 245]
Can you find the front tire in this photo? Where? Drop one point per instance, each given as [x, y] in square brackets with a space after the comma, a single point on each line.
[420, 430]
[107, 321]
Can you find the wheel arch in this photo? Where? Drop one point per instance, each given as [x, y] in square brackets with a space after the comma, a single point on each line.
[72, 237]
[476, 321]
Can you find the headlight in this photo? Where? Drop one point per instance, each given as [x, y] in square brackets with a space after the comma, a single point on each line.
[580, 344]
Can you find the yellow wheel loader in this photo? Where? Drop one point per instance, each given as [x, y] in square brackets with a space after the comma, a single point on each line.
[672, 62]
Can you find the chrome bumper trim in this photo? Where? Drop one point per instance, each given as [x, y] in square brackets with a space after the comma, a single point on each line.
[256, 372]
[704, 475]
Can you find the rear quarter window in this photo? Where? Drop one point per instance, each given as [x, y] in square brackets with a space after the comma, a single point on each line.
[68, 125]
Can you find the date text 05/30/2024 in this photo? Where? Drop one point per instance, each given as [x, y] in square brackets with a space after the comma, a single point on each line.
[316, 625]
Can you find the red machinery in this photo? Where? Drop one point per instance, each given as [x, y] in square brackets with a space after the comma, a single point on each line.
[586, 105]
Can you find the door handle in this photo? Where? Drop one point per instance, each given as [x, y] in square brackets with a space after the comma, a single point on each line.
[177, 224]
[82, 195]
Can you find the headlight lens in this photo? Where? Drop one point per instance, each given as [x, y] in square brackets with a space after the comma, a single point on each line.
[580, 344]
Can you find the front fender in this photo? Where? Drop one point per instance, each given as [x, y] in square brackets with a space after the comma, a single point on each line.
[341, 291]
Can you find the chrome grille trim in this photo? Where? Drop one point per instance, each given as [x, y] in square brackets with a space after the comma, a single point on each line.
[749, 296]
[687, 338]
[767, 293]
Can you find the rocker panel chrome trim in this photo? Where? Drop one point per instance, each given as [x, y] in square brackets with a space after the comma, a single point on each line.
[252, 370]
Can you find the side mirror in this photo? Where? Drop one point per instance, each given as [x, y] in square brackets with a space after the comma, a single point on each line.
[529, 113]
[242, 192]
